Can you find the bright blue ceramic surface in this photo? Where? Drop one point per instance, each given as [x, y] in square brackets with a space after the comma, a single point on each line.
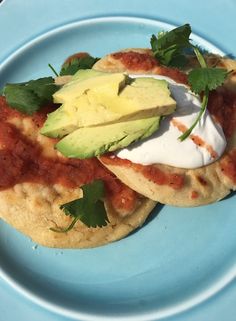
[182, 263]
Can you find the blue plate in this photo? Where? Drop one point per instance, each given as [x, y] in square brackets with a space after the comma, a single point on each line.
[178, 259]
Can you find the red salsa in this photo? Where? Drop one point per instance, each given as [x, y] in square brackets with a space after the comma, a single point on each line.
[25, 162]
[22, 160]
[197, 140]
[136, 61]
[151, 172]
[222, 105]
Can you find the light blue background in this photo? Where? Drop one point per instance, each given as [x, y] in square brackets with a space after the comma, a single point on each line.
[214, 20]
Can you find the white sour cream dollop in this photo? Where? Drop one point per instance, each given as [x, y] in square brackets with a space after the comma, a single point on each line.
[164, 147]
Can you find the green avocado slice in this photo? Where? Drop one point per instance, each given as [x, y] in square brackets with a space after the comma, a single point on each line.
[111, 98]
[90, 80]
[59, 123]
[94, 141]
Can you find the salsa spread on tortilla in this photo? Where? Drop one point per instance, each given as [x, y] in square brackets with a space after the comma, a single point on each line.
[85, 157]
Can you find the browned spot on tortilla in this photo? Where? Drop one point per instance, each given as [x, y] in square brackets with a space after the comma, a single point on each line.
[202, 181]
[194, 194]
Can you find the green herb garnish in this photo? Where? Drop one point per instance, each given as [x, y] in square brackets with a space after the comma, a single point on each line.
[75, 64]
[29, 96]
[201, 79]
[90, 209]
[53, 70]
[170, 48]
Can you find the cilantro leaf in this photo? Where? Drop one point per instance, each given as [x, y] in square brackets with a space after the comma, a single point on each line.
[22, 99]
[201, 79]
[168, 47]
[171, 48]
[90, 209]
[28, 97]
[44, 88]
[71, 67]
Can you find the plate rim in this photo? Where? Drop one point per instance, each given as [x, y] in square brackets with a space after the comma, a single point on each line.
[74, 314]
[100, 19]
[177, 309]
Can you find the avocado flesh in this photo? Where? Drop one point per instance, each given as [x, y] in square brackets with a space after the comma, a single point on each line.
[102, 83]
[69, 117]
[94, 141]
[65, 119]
[133, 102]
[105, 112]
[150, 93]
[80, 75]
[84, 74]
[109, 103]
[59, 123]
[143, 101]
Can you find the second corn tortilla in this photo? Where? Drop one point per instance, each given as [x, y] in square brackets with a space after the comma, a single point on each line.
[209, 183]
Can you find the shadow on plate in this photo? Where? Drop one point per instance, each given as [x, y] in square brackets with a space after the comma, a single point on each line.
[232, 194]
[230, 56]
[150, 218]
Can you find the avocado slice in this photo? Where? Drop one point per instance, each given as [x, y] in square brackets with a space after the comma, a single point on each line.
[94, 141]
[109, 102]
[106, 82]
[143, 97]
[83, 111]
[59, 123]
[81, 74]
[84, 74]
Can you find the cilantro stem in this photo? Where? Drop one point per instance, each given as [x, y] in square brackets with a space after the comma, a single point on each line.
[203, 64]
[66, 229]
[200, 57]
[203, 108]
[169, 48]
[53, 70]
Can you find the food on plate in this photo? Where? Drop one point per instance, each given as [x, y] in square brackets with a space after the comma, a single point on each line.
[177, 185]
[35, 181]
[110, 111]
[88, 142]
[161, 122]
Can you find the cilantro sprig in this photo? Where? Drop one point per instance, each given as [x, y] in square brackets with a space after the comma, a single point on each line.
[89, 209]
[170, 48]
[29, 96]
[75, 64]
